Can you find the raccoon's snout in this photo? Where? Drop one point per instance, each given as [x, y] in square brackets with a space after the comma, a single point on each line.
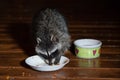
[46, 58]
[50, 59]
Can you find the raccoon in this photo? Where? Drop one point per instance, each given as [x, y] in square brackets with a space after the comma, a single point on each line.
[51, 35]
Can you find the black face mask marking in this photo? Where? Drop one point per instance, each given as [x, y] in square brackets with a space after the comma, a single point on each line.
[49, 57]
[43, 56]
[54, 54]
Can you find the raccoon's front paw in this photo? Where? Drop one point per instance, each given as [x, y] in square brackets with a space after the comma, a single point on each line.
[57, 60]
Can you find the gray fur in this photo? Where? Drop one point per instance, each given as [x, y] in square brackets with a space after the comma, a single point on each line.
[51, 34]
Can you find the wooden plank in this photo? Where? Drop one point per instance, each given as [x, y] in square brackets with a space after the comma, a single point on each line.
[27, 48]
[53, 78]
[17, 60]
[64, 73]
[81, 25]
[102, 36]
[22, 55]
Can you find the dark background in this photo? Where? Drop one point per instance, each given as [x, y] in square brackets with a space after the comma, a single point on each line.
[74, 10]
[99, 19]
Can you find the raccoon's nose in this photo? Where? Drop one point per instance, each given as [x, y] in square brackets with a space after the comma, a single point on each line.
[49, 62]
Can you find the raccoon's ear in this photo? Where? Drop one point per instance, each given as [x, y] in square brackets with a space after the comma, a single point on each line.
[38, 40]
[54, 38]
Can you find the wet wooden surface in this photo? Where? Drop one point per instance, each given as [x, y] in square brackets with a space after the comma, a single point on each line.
[92, 19]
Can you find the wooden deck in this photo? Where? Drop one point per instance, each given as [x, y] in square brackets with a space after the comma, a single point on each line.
[92, 19]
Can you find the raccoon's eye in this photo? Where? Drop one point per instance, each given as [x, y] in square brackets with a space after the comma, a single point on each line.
[44, 56]
[54, 54]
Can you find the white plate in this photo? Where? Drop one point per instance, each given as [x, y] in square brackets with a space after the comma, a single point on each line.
[38, 64]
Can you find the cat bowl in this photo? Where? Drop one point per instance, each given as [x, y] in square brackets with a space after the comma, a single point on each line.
[87, 48]
[38, 64]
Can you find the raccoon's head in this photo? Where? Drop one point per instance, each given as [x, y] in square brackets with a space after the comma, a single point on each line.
[47, 49]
